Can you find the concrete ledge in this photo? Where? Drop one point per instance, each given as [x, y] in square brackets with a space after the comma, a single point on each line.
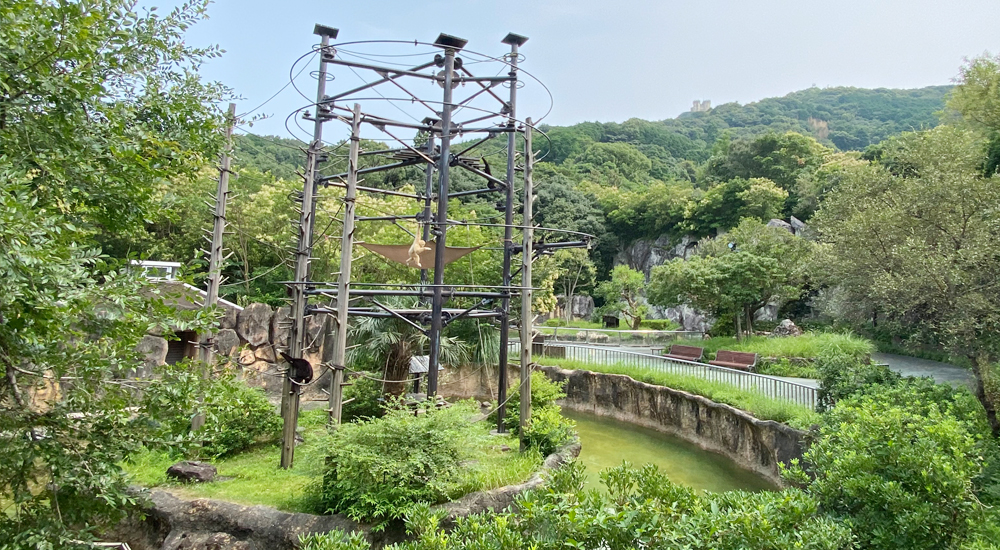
[754, 444]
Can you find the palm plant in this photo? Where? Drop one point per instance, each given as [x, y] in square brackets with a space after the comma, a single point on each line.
[386, 344]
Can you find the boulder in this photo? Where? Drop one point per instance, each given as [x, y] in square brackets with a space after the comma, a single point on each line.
[281, 325]
[781, 224]
[265, 353]
[253, 324]
[190, 470]
[786, 328]
[226, 341]
[154, 349]
[229, 317]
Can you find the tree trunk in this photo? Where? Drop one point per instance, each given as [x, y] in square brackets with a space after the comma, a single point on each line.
[397, 369]
[986, 390]
[739, 329]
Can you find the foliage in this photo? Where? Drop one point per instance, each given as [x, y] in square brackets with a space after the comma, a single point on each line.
[236, 415]
[366, 393]
[547, 429]
[623, 295]
[642, 508]
[378, 469]
[750, 401]
[909, 243]
[785, 367]
[735, 274]
[98, 105]
[576, 271]
[843, 375]
[899, 473]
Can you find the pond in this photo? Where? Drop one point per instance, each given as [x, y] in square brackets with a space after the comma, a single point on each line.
[606, 442]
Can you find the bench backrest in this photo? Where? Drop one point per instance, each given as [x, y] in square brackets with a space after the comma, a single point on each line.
[740, 357]
[687, 351]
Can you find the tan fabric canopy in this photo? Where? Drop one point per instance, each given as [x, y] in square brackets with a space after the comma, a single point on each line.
[424, 259]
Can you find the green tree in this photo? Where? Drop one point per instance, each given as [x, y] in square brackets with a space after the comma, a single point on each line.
[98, 105]
[735, 274]
[910, 241]
[576, 271]
[623, 294]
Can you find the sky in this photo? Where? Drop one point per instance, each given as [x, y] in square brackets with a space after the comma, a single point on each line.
[611, 60]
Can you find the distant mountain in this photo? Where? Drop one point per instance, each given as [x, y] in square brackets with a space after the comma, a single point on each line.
[846, 118]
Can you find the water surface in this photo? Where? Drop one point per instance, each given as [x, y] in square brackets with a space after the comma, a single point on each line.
[606, 442]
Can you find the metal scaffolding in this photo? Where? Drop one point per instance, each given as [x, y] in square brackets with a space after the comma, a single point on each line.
[449, 68]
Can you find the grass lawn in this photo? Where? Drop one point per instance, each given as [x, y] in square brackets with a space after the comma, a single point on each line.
[809, 345]
[759, 406]
[257, 479]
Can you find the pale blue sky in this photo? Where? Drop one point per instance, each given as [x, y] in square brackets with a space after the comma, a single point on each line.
[616, 59]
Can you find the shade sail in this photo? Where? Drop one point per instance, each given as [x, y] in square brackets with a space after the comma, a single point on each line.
[400, 253]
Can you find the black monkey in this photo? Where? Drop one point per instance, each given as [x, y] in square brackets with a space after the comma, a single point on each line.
[299, 370]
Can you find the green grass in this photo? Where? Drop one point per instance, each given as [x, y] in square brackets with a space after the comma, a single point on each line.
[581, 324]
[257, 479]
[762, 407]
[809, 345]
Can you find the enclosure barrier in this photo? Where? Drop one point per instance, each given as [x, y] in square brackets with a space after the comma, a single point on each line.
[768, 386]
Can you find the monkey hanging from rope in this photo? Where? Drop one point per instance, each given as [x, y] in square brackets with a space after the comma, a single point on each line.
[418, 247]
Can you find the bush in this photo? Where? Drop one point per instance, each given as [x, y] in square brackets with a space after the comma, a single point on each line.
[556, 322]
[367, 398]
[900, 475]
[659, 324]
[378, 468]
[843, 375]
[548, 429]
[236, 416]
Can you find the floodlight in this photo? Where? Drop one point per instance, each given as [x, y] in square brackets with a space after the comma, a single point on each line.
[323, 30]
[514, 39]
[449, 41]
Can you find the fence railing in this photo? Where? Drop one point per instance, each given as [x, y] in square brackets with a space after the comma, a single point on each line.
[611, 337]
[768, 386]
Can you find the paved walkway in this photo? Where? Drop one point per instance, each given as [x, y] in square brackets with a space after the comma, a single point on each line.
[940, 372]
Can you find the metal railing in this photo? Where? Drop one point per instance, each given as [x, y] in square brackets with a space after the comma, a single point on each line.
[612, 337]
[768, 386]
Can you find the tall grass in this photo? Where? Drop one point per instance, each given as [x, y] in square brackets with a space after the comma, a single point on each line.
[762, 407]
[809, 345]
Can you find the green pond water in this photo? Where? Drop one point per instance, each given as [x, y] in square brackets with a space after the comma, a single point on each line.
[606, 442]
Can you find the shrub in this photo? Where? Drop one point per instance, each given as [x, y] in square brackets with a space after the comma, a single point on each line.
[901, 476]
[366, 394]
[548, 429]
[236, 415]
[844, 374]
[378, 468]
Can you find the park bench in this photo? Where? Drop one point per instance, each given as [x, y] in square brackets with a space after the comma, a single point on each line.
[687, 353]
[735, 360]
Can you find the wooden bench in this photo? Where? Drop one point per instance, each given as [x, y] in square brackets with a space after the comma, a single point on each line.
[740, 360]
[687, 353]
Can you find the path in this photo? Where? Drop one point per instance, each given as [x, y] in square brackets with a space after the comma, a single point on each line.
[940, 372]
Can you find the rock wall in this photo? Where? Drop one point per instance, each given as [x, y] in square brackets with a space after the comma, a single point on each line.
[251, 339]
[754, 444]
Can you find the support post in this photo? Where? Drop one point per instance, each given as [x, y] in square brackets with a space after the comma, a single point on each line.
[526, 283]
[219, 228]
[428, 191]
[344, 280]
[508, 244]
[297, 335]
[441, 224]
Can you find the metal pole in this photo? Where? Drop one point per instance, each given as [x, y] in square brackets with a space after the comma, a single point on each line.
[338, 361]
[441, 224]
[428, 191]
[526, 286]
[297, 336]
[508, 245]
[215, 255]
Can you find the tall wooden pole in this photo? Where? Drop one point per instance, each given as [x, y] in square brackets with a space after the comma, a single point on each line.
[526, 292]
[215, 254]
[344, 280]
[297, 336]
